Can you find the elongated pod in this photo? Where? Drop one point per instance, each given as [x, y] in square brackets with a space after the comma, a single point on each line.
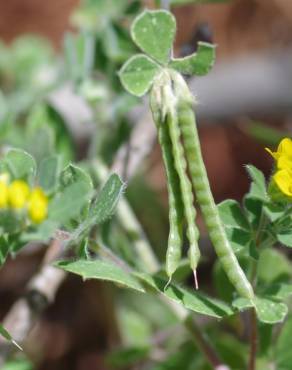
[175, 238]
[186, 189]
[176, 216]
[203, 192]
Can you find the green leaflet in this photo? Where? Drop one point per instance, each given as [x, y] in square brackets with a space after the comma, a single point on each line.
[153, 32]
[232, 216]
[4, 249]
[68, 203]
[283, 353]
[48, 173]
[101, 270]
[199, 63]
[138, 73]
[190, 299]
[258, 186]
[20, 163]
[268, 311]
[104, 205]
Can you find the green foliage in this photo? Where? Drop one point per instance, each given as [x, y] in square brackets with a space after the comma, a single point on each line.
[37, 147]
[102, 270]
[49, 171]
[20, 364]
[189, 299]
[20, 164]
[198, 63]
[283, 353]
[268, 311]
[145, 31]
[138, 83]
[139, 72]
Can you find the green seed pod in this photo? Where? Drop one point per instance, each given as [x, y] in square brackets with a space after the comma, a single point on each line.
[203, 192]
[176, 213]
[175, 238]
[163, 105]
[186, 190]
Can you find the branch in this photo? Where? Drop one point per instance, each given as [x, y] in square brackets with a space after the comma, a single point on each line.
[40, 292]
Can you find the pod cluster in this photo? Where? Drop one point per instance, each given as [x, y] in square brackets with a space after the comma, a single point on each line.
[172, 108]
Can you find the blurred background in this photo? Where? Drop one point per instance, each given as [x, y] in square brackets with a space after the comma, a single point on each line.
[243, 105]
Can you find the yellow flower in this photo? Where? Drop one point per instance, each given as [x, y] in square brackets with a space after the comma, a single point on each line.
[283, 180]
[283, 155]
[4, 190]
[37, 205]
[18, 193]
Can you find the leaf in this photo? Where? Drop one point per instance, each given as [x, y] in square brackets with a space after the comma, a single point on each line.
[273, 266]
[43, 233]
[231, 214]
[101, 270]
[19, 364]
[49, 172]
[253, 210]
[280, 291]
[125, 357]
[73, 174]
[106, 202]
[283, 353]
[191, 300]
[4, 333]
[138, 73]
[20, 163]
[154, 31]
[239, 239]
[265, 332]
[274, 211]
[258, 185]
[199, 63]
[4, 249]
[223, 287]
[285, 238]
[268, 311]
[68, 204]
